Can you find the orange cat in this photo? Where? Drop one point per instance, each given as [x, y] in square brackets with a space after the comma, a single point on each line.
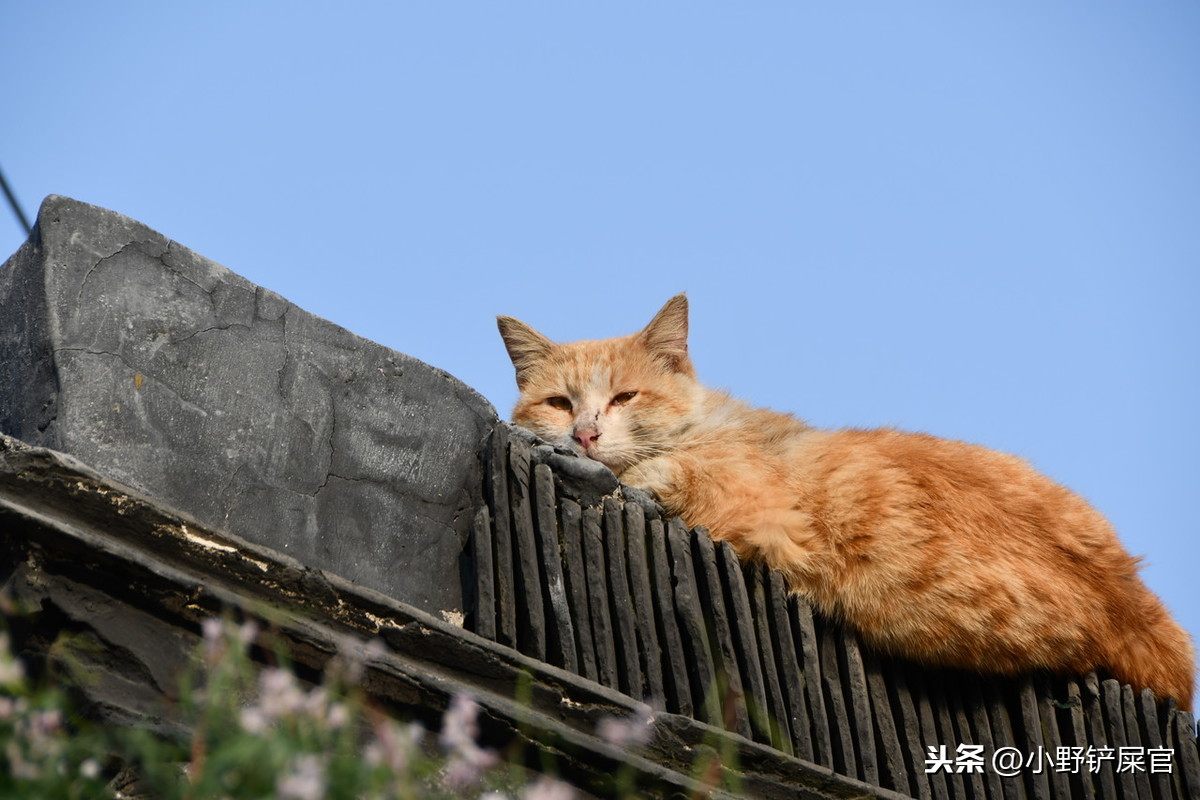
[945, 552]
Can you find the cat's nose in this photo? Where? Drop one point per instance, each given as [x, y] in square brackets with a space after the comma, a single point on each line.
[586, 438]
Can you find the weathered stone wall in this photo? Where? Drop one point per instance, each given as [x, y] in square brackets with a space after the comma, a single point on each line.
[170, 373]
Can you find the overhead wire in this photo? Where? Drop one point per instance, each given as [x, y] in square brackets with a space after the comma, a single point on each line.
[16, 207]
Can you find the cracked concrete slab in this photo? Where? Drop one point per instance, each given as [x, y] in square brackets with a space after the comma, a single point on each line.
[171, 373]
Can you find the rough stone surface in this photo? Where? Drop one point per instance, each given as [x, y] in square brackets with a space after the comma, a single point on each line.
[170, 373]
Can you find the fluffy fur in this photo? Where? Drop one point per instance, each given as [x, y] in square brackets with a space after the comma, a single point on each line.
[942, 551]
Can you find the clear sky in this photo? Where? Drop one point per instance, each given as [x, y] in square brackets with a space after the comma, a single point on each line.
[976, 220]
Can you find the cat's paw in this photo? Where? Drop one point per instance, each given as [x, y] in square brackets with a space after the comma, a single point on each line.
[655, 475]
[632, 494]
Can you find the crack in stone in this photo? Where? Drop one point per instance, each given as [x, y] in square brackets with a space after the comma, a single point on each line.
[437, 523]
[186, 403]
[91, 352]
[329, 442]
[124, 248]
[346, 478]
[287, 354]
[196, 333]
[162, 259]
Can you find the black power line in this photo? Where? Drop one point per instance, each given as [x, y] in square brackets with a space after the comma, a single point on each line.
[16, 207]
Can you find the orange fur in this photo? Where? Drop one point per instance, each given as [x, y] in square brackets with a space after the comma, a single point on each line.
[942, 551]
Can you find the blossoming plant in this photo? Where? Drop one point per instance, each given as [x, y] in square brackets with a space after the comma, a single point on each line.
[261, 733]
[42, 756]
[254, 733]
[258, 734]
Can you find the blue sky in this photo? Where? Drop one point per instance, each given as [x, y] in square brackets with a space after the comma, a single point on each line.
[976, 220]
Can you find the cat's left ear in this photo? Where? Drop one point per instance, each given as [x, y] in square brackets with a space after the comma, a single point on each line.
[666, 335]
[525, 345]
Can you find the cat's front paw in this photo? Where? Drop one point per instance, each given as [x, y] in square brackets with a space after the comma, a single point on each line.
[643, 498]
[655, 475]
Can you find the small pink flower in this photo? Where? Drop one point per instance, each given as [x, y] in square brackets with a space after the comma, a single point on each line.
[304, 780]
[337, 716]
[248, 632]
[394, 745]
[459, 727]
[253, 720]
[213, 630]
[633, 732]
[316, 703]
[548, 789]
[460, 774]
[354, 655]
[279, 694]
[467, 759]
[11, 670]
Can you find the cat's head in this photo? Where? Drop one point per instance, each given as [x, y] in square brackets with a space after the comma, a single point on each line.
[617, 401]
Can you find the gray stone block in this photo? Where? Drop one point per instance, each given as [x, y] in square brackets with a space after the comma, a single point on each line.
[171, 374]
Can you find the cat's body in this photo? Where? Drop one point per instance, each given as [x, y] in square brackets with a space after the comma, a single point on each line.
[945, 552]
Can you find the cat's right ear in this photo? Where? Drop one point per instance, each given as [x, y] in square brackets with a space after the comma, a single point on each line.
[666, 335]
[525, 345]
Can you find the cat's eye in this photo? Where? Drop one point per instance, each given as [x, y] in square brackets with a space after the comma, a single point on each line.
[561, 403]
[623, 398]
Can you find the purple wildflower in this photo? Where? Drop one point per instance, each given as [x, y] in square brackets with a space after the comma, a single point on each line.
[303, 780]
[632, 732]
[466, 759]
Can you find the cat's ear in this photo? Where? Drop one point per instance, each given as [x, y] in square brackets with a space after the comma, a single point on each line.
[525, 345]
[666, 335]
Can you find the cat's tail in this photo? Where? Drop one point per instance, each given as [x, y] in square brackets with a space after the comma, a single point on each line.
[1154, 652]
